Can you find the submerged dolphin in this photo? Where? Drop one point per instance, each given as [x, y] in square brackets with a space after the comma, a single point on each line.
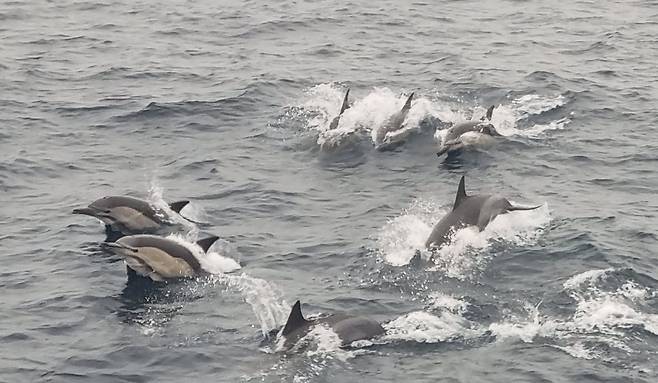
[128, 215]
[345, 106]
[383, 140]
[454, 139]
[159, 258]
[475, 210]
[348, 328]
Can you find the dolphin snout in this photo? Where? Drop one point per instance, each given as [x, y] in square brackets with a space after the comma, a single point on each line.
[118, 246]
[85, 211]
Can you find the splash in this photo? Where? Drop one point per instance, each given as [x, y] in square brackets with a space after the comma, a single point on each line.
[264, 298]
[211, 261]
[402, 236]
[156, 199]
[423, 327]
[506, 118]
[442, 301]
[365, 117]
[400, 239]
[601, 318]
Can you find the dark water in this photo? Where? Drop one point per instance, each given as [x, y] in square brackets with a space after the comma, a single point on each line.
[227, 105]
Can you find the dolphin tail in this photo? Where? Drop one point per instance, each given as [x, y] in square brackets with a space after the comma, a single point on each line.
[295, 319]
[515, 208]
[346, 104]
[178, 205]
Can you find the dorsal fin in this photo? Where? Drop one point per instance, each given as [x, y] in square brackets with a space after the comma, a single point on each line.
[178, 205]
[295, 319]
[461, 193]
[207, 242]
[346, 104]
[489, 112]
[407, 104]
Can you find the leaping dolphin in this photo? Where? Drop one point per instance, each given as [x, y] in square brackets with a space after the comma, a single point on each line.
[345, 106]
[475, 210]
[454, 141]
[384, 140]
[129, 215]
[348, 328]
[159, 258]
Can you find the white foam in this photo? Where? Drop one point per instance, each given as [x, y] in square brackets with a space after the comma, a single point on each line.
[600, 317]
[264, 298]
[402, 236]
[156, 199]
[368, 114]
[423, 327]
[505, 118]
[588, 277]
[211, 261]
[533, 104]
[526, 330]
[580, 351]
[442, 301]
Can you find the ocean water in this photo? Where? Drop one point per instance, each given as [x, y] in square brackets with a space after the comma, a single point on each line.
[227, 104]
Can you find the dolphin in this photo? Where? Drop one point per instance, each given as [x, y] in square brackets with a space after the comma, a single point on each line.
[345, 106]
[454, 139]
[159, 258]
[128, 215]
[348, 328]
[475, 210]
[383, 140]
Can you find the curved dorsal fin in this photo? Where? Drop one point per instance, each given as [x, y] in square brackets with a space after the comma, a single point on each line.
[207, 242]
[461, 193]
[407, 105]
[295, 319]
[178, 205]
[490, 112]
[346, 104]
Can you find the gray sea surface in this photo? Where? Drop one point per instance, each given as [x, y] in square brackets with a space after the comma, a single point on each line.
[228, 103]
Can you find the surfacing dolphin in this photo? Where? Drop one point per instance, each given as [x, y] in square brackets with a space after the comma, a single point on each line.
[385, 137]
[348, 328]
[159, 258]
[475, 210]
[129, 215]
[345, 106]
[455, 139]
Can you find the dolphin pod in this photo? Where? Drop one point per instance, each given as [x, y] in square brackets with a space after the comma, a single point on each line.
[128, 215]
[454, 139]
[348, 328]
[474, 210]
[160, 258]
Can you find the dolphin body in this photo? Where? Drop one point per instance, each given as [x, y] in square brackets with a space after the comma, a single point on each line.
[128, 215]
[453, 141]
[348, 328]
[385, 141]
[475, 210]
[159, 258]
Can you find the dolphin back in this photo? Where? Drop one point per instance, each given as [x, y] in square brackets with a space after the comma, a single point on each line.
[351, 329]
[168, 246]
